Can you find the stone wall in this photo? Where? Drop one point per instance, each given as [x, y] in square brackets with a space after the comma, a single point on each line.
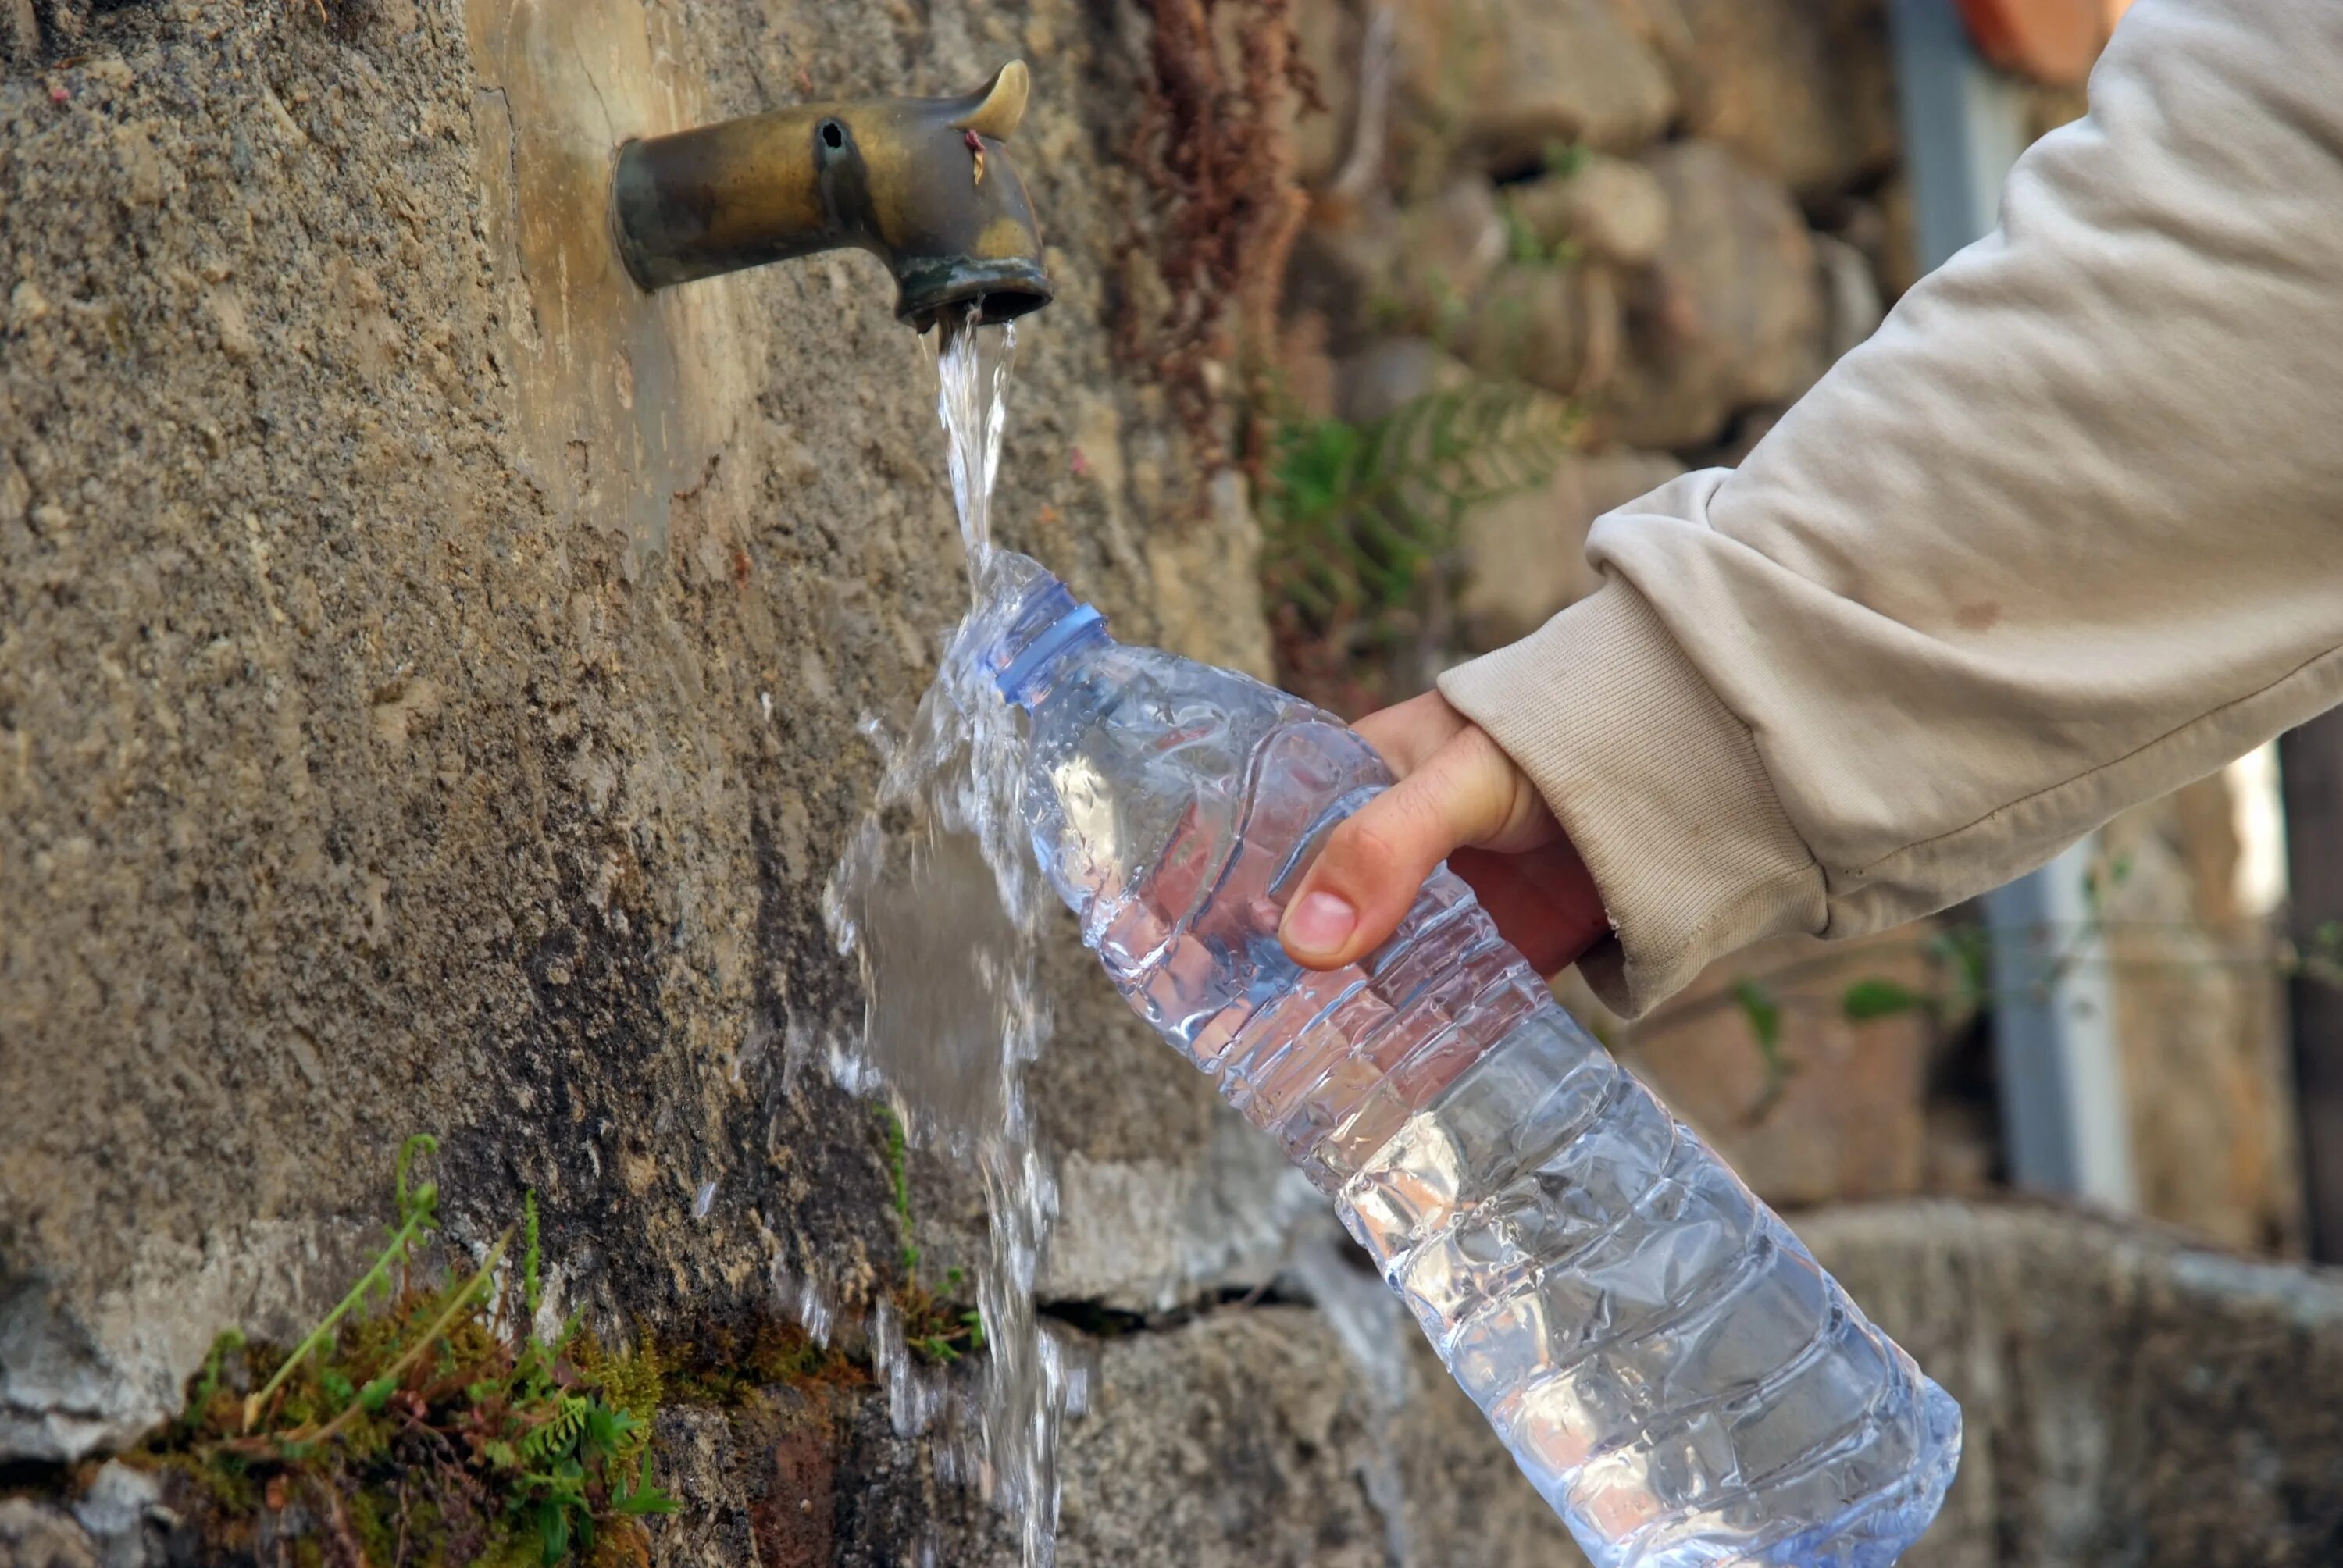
[2128, 1396]
[431, 682]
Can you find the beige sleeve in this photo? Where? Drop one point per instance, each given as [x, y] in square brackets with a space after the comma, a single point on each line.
[2065, 535]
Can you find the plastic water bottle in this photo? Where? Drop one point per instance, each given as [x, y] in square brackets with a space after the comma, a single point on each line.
[1668, 1364]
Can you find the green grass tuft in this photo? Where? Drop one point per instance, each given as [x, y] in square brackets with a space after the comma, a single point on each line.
[425, 1420]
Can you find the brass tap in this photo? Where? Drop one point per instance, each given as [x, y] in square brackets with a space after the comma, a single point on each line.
[923, 184]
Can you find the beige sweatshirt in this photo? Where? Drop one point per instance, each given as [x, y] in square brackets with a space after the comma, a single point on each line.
[2065, 535]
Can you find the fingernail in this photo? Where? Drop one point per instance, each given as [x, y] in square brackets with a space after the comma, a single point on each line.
[1321, 923]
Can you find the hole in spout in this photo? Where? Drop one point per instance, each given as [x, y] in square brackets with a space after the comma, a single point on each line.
[833, 135]
[1008, 304]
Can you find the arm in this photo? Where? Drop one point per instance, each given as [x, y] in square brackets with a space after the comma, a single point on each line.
[2066, 534]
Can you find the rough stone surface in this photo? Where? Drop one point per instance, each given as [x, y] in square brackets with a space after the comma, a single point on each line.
[1803, 89]
[1394, 372]
[1505, 81]
[1524, 557]
[1731, 315]
[1443, 252]
[1837, 1110]
[1545, 324]
[1285, 1453]
[1611, 209]
[2198, 1005]
[38, 1536]
[2128, 1398]
[428, 688]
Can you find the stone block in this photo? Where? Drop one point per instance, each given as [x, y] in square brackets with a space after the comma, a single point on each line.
[1546, 324]
[1524, 557]
[1731, 315]
[1611, 209]
[1837, 1112]
[2200, 1021]
[1803, 90]
[2127, 1397]
[1504, 82]
[1393, 372]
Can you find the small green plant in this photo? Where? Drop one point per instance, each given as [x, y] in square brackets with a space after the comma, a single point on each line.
[1957, 981]
[426, 1420]
[899, 1171]
[1359, 521]
[1525, 247]
[1763, 1012]
[1563, 159]
[937, 1326]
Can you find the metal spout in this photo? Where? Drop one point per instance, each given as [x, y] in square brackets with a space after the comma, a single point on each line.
[923, 184]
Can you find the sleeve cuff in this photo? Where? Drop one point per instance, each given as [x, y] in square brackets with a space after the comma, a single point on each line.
[1658, 785]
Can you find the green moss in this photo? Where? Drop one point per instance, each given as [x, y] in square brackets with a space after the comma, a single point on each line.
[727, 1367]
[428, 1421]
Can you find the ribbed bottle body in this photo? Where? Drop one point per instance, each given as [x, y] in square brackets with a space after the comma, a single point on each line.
[1664, 1360]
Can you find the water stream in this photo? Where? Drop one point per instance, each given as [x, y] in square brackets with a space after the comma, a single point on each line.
[937, 900]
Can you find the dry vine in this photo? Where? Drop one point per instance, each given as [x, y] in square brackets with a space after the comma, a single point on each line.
[1214, 150]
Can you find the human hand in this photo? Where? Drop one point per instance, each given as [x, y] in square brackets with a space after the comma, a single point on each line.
[1461, 800]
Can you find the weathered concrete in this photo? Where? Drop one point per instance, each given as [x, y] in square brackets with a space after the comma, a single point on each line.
[2129, 1398]
[428, 677]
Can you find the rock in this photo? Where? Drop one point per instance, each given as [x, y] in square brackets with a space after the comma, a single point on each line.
[1548, 324]
[1852, 306]
[1835, 1112]
[1327, 40]
[2200, 1022]
[1147, 1235]
[1270, 1385]
[2127, 1397]
[1284, 1453]
[1342, 272]
[1524, 557]
[122, 1511]
[1730, 316]
[1881, 227]
[428, 708]
[1504, 82]
[1611, 210]
[1802, 89]
[1393, 372]
[34, 1535]
[1444, 251]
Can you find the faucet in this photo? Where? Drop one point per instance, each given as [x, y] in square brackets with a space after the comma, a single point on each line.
[923, 184]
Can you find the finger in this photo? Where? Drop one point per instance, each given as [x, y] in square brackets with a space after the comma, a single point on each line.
[1408, 734]
[1374, 864]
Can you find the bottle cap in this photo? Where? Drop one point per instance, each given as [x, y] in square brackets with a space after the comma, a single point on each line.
[1048, 624]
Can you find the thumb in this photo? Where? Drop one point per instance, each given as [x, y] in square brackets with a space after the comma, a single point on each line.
[1373, 865]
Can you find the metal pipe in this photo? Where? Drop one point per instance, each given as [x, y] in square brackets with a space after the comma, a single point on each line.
[925, 184]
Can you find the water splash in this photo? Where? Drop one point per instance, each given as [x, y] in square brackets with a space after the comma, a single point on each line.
[937, 900]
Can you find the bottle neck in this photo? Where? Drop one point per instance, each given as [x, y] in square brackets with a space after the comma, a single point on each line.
[1050, 630]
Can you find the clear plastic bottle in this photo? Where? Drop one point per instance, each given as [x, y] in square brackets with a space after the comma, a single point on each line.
[1668, 1364]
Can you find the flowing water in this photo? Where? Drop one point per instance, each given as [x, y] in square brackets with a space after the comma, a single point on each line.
[937, 900]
